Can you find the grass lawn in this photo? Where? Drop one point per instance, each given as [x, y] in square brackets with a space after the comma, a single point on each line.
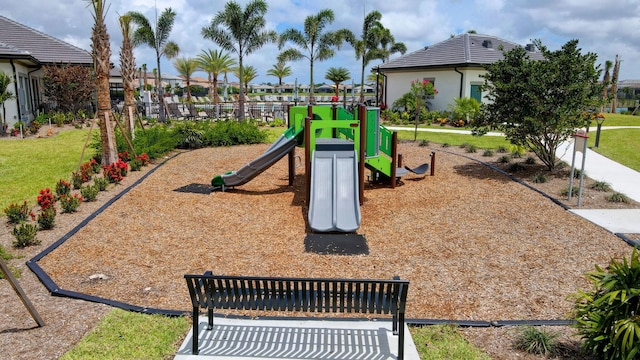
[621, 145]
[127, 335]
[27, 166]
[619, 120]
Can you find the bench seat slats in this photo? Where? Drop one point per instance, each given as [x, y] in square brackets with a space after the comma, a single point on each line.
[210, 292]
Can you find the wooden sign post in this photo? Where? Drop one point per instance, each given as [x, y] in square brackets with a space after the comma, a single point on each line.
[14, 284]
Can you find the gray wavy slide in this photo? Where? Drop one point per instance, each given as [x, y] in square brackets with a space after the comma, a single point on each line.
[275, 152]
[334, 200]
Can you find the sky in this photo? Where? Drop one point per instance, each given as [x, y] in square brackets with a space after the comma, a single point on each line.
[607, 30]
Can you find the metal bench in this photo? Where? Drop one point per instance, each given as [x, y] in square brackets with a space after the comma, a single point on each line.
[211, 292]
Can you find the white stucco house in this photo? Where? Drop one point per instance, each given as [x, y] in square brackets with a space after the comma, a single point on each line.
[453, 65]
[23, 53]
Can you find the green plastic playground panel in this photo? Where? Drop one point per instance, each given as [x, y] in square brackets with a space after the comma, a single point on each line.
[373, 137]
[381, 164]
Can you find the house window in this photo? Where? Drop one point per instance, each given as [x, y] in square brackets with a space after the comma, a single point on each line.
[433, 81]
[476, 93]
[23, 91]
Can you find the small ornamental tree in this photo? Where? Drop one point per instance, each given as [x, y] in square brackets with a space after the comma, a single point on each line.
[539, 104]
[421, 91]
[70, 86]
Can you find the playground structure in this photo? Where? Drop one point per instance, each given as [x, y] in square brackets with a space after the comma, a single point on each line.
[339, 145]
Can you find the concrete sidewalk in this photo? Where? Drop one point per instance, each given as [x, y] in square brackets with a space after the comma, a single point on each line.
[621, 178]
[297, 339]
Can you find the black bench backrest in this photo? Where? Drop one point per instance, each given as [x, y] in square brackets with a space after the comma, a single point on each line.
[298, 294]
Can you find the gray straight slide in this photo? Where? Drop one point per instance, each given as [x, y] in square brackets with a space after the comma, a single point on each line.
[275, 152]
[334, 200]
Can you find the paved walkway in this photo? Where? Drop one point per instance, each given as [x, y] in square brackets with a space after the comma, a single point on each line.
[297, 339]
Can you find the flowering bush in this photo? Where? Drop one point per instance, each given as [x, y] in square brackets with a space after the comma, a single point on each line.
[144, 159]
[46, 218]
[95, 166]
[76, 179]
[423, 89]
[17, 213]
[46, 199]
[124, 156]
[116, 171]
[86, 171]
[70, 203]
[62, 188]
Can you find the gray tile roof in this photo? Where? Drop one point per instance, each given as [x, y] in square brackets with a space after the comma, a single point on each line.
[20, 41]
[462, 50]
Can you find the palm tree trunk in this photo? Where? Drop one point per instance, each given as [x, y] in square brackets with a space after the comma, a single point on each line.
[215, 91]
[241, 98]
[160, 90]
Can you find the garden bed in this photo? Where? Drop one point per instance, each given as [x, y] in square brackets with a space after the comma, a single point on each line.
[474, 244]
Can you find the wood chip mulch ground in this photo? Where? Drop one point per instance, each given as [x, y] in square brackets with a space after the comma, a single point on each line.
[474, 244]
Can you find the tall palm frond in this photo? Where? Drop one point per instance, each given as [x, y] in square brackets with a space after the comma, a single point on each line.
[241, 31]
[157, 39]
[312, 43]
[213, 63]
[280, 70]
[186, 67]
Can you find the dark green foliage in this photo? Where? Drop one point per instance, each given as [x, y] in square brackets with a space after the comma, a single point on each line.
[504, 159]
[565, 191]
[423, 142]
[542, 112]
[189, 135]
[46, 218]
[90, 192]
[135, 165]
[502, 149]
[25, 235]
[608, 316]
[618, 197]
[530, 160]
[487, 152]
[71, 87]
[601, 186]
[101, 183]
[539, 178]
[17, 213]
[470, 148]
[536, 341]
[515, 167]
[226, 133]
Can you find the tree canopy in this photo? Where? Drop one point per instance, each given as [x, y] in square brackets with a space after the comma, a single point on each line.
[539, 104]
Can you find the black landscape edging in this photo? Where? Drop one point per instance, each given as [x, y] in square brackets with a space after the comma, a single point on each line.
[631, 242]
[46, 280]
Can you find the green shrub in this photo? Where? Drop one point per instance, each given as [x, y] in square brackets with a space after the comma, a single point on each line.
[539, 178]
[504, 159]
[423, 142]
[601, 186]
[62, 188]
[25, 235]
[470, 148]
[46, 218]
[565, 191]
[577, 173]
[76, 180]
[189, 136]
[536, 341]
[101, 183]
[90, 192]
[608, 316]
[135, 165]
[487, 152]
[502, 149]
[618, 197]
[445, 145]
[530, 160]
[70, 203]
[17, 213]
[515, 167]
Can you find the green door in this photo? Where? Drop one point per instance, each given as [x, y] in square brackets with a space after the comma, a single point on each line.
[476, 93]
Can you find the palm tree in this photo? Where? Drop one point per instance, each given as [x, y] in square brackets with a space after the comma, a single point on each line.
[605, 81]
[614, 85]
[144, 71]
[318, 46]
[280, 70]
[240, 31]
[157, 39]
[248, 74]
[127, 68]
[101, 53]
[337, 75]
[213, 63]
[5, 95]
[186, 67]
